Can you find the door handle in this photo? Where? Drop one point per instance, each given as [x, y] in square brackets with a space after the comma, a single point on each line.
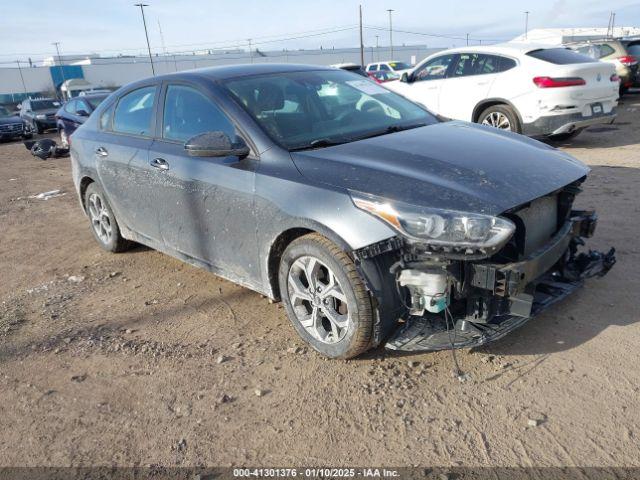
[101, 152]
[159, 163]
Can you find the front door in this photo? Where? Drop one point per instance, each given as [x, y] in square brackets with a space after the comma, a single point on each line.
[205, 204]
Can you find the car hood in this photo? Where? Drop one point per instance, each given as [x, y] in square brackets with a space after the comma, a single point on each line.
[11, 119]
[46, 111]
[454, 165]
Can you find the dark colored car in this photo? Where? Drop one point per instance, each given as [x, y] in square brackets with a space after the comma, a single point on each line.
[368, 217]
[74, 113]
[633, 49]
[39, 113]
[12, 126]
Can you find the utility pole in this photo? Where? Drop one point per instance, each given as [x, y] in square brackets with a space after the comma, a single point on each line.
[250, 51]
[613, 24]
[526, 24]
[21, 77]
[361, 41]
[146, 34]
[390, 10]
[377, 48]
[467, 39]
[57, 45]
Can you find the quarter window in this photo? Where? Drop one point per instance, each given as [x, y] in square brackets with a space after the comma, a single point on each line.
[105, 118]
[70, 107]
[188, 112]
[134, 111]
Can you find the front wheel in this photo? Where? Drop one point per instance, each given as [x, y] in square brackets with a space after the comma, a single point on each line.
[325, 297]
[502, 117]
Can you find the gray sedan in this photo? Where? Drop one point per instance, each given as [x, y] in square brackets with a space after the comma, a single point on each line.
[371, 219]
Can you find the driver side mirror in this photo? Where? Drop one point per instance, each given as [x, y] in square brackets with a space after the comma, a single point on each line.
[82, 113]
[405, 78]
[216, 144]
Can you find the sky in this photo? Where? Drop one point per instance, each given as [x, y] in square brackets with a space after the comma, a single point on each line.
[115, 26]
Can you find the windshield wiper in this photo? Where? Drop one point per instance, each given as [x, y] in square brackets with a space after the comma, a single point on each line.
[389, 129]
[318, 143]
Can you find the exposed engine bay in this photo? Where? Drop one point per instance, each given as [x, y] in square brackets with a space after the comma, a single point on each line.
[454, 299]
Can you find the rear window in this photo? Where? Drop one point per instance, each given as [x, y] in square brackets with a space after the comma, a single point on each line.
[634, 49]
[559, 56]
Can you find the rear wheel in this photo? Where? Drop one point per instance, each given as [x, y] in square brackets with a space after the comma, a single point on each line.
[502, 117]
[103, 222]
[325, 297]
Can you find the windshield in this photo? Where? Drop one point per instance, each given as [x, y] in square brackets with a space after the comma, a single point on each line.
[319, 108]
[4, 112]
[44, 104]
[399, 65]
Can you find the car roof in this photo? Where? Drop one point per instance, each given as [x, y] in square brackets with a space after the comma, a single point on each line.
[234, 71]
[510, 48]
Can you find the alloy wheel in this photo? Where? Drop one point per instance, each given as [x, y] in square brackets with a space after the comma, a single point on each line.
[497, 120]
[318, 300]
[100, 218]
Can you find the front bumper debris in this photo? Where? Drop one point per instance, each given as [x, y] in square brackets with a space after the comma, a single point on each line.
[528, 287]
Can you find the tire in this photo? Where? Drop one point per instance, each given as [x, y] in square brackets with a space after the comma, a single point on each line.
[64, 140]
[36, 127]
[561, 137]
[104, 225]
[494, 115]
[342, 296]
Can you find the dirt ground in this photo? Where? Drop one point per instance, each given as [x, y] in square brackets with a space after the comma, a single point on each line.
[143, 360]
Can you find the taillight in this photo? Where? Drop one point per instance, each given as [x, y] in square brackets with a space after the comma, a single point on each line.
[548, 82]
[615, 78]
[628, 60]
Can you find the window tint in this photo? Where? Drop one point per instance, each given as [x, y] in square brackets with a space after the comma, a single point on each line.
[384, 67]
[434, 69]
[559, 56]
[70, 107]
[475, 64]
[188, 112]
[634, 49]
[82, 105]
[507, 64]
[605, 51]
[399, 65]
[371, 68]
[133, 112]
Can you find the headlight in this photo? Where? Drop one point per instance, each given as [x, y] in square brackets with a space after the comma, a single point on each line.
[41, 116]
[446, 228]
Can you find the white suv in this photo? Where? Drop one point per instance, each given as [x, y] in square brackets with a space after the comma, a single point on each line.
[519, 87]
[391, 66]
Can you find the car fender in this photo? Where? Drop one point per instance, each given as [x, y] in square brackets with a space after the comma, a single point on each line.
[477, 110]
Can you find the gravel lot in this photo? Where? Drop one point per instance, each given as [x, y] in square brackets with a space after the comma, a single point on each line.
[145, 360]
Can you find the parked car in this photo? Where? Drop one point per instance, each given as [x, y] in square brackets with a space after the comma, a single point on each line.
[395, 67]
[74, 113]
[12, 126]
[614, 52]
[384, 76]
[39, 113]
[523, 88]
[354, 206]
[350, 67]
[633, 48]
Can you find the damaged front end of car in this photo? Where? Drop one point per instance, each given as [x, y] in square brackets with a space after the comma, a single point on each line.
[466, 279]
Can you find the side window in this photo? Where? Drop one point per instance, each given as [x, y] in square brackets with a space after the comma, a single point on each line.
[384, 67]
[82, 105]
[605, 50]
[507, 64]
[435, 69]
[133, 112]
[105, 118]
[371, 68]
[70, 107]
[188, 112]
[466, 65]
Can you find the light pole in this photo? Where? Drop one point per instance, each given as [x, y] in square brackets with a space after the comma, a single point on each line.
[377, 48]
[250, 51]
[526, 24]
[144, 22]
[57, 45]
[390, 10]
[24, 86]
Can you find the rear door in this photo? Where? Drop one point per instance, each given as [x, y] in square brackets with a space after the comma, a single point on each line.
[122, 158]
[468, 83]
[207, 202]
